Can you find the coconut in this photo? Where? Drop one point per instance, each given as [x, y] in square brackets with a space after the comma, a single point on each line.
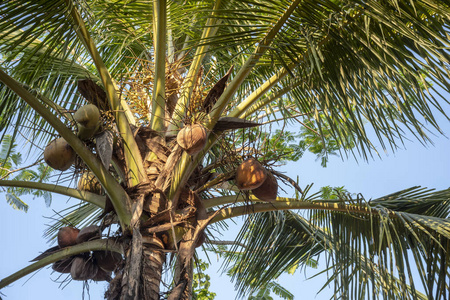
[268, 190]
[102, 275]
[87, 115]
[85, 133]
[107, 260]
[63, 265]
[83, 268]
[250, 175]
[67, 236]
[59, 155]
[192, 138]
[89, 183]
[88, 233]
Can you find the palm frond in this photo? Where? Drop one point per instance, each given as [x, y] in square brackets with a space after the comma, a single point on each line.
[383, 62]
[79, 215]
[392, 242]
[274, 241]
[39, 50]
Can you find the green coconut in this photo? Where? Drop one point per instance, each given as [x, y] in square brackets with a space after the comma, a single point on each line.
[88, 116]
[250, 174]
[59, 155]
[85, 133]
[89, 183]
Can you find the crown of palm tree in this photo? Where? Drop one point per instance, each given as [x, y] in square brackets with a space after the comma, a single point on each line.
[346, 70]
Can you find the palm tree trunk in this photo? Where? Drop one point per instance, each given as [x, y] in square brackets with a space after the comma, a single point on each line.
[141, 275]
[153, 260]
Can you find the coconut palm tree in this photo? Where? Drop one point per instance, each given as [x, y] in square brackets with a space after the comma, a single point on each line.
[178, 135]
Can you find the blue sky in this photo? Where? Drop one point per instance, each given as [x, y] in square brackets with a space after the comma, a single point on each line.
[415, 165]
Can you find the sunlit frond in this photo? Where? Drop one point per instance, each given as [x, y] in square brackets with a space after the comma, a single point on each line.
[370, 255]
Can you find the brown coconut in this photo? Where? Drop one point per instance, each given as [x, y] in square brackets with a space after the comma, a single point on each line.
[192, 138]
[89, 183]
[102, 275]
[250, 174]
[59, 155]
[107, 260]
[83, 268]
[88, 233]
[67, 236]
[88, 116]
[63, 265]
[268, 190]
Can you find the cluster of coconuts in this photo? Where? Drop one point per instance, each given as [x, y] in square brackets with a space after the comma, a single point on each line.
[251, 175]
[59, 154]
[192, 138]
[96, 265]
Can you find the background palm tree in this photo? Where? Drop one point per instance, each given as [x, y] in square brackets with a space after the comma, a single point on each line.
[337, 69]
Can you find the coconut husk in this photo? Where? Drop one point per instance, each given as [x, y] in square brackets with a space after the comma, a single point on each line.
[59, 155]
[104, 144]
[215, 92]
[93, 93]
[89, 233]
[268, 190]
[107, 260]
[63, 265]
[83, 268]
[250, 175]
[67, 236]
[158, 149]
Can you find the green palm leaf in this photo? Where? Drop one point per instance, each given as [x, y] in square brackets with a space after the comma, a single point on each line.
[361, 248]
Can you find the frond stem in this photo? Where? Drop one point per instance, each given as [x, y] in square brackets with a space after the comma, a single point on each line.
[250, 102]
[286, 204]
[62, 190]
[248, 66]
[104, 244]
[159, 101]
[135, 165]
[188, 83]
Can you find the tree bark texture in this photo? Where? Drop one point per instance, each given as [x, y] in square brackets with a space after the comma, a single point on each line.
[133, 266]
[141, 275]
[153, 260]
